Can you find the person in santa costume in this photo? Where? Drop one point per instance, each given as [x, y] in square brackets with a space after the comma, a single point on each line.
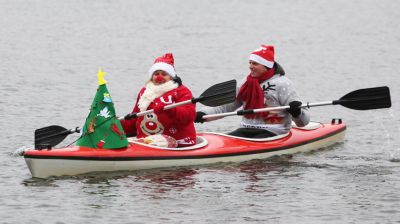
[163, 88]
[265, 86]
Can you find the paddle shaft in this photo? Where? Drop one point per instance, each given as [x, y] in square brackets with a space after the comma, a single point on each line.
[193, 100]
[361, 99]
[254, 111]
[70, 131]
[216, 95]
[165, 108]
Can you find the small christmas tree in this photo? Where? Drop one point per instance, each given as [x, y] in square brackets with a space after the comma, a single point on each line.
[102, 128]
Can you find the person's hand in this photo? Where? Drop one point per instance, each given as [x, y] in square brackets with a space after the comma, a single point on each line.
[199, 117]
[130, 116]
[294, 109]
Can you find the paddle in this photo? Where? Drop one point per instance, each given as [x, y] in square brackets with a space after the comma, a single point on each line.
[52, 135]
[216, 95]
[362, 99]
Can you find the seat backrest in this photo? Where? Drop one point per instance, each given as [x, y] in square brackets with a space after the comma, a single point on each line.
[252, 139]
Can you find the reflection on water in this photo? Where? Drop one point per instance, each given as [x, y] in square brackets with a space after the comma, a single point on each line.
[178, 178]
[158, 181]
[39, 182]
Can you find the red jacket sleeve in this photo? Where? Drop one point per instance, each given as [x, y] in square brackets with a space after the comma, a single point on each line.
[129, 126]
[187, 113]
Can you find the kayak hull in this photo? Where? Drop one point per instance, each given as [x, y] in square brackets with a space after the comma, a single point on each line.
[220, 149]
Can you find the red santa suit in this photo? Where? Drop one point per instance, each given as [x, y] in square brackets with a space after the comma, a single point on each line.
[176, 122]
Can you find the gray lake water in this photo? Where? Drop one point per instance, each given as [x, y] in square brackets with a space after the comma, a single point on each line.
[49, 55]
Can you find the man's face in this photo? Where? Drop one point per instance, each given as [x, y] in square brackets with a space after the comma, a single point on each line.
[160, 77]
[256, 69]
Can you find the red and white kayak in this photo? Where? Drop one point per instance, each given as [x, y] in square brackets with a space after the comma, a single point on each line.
[211, 148]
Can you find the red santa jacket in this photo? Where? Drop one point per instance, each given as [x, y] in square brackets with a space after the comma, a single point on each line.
[176, 122]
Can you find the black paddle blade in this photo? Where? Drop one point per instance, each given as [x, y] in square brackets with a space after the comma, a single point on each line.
[218, 94]
[50, 136]
[366, 99]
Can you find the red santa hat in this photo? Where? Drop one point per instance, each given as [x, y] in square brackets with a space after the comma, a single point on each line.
[263, 55]
[164, 63]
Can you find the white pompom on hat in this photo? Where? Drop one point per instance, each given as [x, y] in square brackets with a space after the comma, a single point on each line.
[264, 55]
[164, 63]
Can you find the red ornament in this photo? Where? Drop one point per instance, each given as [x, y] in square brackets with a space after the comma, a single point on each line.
[100, 144]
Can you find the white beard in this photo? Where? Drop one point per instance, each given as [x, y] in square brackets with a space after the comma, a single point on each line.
[154, 91]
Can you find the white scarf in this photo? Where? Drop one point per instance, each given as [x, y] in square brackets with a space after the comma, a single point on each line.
[154, 91]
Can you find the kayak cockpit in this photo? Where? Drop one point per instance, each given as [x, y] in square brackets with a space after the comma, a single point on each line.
[200, 142]
[251, 139]
[309, 126]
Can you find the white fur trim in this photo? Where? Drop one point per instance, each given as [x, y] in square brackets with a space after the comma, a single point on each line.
[154, 91]
[260, 60]
[164, 67]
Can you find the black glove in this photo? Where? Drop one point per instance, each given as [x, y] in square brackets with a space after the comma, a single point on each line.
[130, 116]
[294, 109]
[178, 80]
[199, 117]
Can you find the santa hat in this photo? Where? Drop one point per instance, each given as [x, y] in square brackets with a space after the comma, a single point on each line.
[263, 55]
[164, 63]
